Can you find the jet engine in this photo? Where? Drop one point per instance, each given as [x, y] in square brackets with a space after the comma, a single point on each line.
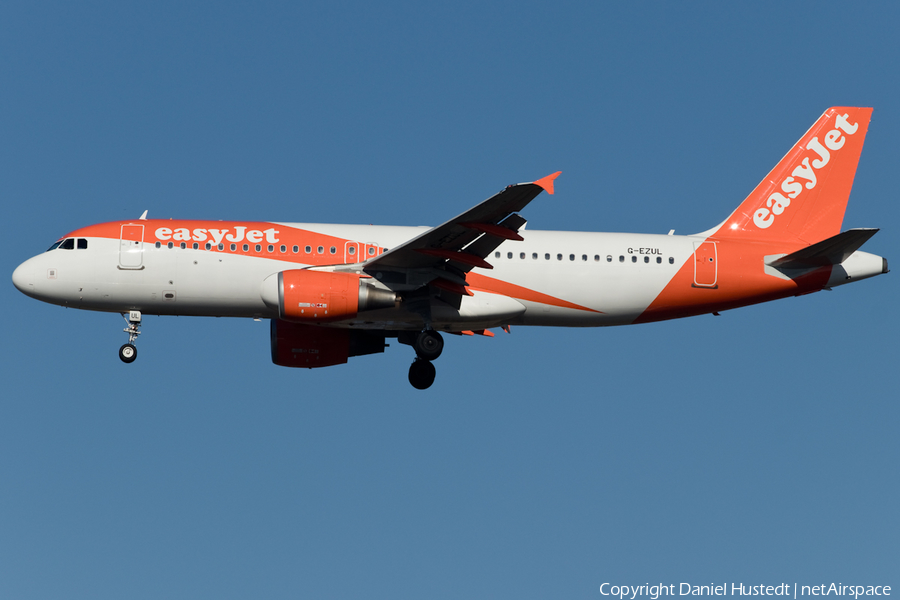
[304, 296]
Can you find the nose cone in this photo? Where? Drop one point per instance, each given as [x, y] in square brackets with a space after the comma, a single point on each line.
[23, 278]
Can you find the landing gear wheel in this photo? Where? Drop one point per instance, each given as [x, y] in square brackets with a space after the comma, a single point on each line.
[429, 345]
[128, 353]
[421, 374]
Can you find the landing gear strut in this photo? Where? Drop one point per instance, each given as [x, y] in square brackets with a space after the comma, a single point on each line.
[128, 352]
[428, 346]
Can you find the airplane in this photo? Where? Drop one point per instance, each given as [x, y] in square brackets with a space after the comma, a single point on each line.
[333, 292]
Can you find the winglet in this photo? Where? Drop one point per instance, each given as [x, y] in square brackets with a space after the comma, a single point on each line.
[547, 182]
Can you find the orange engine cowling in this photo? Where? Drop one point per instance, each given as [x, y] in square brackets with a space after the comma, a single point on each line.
[310, 346]
[305, 296]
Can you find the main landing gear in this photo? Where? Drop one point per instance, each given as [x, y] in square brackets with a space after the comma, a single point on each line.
[428, 346]
[128, 352]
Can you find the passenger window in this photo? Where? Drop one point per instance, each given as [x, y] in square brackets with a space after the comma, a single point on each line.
[522, 255]
[233, 247]
[320, 250]
[208, 246]
[671, 260]
[295, 249]
[596, 258]
[351, 250]
[584, 257]
[559, 257]
[283, 248]
[258, 248]
[634, 259]
[332, 250]
[195, 245]
[82, 244]
[183, 245]
[509, 255]
[246, 247]
[270, 248]
[621, 258]
[307, 249]
[221, 247]
[571, 257]
[157, 244]
[609, 258]
[659, 260]
[646, 259]
[170, 245]
[547, 256]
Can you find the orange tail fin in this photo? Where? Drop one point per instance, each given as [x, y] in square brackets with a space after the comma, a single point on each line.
[804, 197]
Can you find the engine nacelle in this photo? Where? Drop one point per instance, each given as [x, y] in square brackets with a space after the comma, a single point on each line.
[306, 296]
[310, 346]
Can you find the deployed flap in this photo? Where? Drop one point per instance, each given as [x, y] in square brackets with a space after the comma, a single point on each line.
[491, 223]
[832, 251]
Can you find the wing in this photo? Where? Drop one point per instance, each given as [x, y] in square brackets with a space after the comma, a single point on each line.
[444, 254]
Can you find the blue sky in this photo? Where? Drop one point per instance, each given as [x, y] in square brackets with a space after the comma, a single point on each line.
[759, 446]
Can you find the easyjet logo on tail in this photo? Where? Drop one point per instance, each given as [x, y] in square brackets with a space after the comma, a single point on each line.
[804, 174]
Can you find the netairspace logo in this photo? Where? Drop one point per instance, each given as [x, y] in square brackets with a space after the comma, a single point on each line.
[654, 592]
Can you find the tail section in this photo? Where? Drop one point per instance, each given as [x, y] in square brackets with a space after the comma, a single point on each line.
[804, 197]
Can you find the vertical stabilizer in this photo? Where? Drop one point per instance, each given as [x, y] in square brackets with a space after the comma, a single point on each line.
[804, 197]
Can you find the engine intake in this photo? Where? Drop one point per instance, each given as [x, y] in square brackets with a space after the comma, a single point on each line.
[304, 296]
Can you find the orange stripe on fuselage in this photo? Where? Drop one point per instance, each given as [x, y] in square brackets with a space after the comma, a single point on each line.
[741, 281]
[496, 286]
[214, 232]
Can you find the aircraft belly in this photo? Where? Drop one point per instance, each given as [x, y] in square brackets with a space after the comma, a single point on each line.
[483, 309]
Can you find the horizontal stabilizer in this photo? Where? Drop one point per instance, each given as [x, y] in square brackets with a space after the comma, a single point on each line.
[831, 251]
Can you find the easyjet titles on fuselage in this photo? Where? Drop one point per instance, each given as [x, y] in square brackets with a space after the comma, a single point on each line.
[254, 236]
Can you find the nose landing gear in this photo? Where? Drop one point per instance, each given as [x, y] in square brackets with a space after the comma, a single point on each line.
[128, 352]
[428, 346]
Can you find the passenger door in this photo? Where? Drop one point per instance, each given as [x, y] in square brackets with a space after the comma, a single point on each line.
[131, 247]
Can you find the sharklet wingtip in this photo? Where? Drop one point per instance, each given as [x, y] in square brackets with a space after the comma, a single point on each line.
[547, 182]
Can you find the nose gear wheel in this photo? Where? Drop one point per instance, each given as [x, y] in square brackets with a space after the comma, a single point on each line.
[128, 352]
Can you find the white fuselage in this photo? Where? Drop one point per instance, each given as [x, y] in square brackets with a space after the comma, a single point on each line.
[615, 274]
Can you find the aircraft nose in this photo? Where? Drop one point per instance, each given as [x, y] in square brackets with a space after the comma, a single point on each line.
[23, 278]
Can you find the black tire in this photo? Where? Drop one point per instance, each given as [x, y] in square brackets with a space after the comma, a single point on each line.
[421, 374]
[128, 353]
[429, 345]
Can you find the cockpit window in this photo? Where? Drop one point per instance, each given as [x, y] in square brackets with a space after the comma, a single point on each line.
[54, 246]
[82, 244]
[68, 244]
